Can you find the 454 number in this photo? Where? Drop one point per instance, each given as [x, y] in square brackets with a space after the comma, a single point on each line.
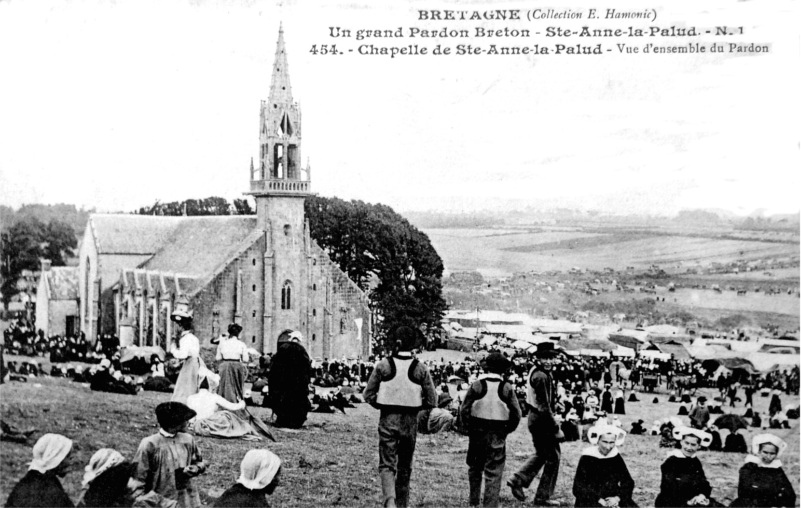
[324, 49]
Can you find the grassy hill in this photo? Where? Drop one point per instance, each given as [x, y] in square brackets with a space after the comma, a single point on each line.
[333, 460]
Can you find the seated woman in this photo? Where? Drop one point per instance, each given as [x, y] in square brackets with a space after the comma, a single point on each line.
[683, 480]
[762, 479]
[260, 471]
[41, 485]
[216, 417]
[602, 478]
[105, 481]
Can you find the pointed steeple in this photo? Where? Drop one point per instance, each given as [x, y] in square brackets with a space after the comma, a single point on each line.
[280, 89]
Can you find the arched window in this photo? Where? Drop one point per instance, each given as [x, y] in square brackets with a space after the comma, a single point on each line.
[343, 326]
[286, 296]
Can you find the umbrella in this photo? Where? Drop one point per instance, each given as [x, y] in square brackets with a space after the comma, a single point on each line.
[731, 422]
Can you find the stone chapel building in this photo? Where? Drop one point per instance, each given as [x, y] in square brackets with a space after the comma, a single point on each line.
[263, 272]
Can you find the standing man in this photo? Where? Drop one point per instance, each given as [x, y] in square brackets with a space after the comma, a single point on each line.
[400, 386]
[543, 426]
[699, 416]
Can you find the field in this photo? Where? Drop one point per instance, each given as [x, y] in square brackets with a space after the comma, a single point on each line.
[333, 460]
[503, 252]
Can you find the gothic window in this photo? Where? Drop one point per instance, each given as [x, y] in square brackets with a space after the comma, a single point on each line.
[287, 229]
[343, 326]
[286, 296]
[314, 337]
[285, 126]
[314, 312]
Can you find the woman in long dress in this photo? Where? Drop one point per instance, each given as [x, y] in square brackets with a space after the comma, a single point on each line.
[602, 478]
[232, 355]
[763, 482]
[188, 350]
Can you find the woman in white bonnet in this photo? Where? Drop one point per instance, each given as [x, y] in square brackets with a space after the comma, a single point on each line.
[602, 478]
[41, 485]
[105, 480]
[763, 482]
[260, 471]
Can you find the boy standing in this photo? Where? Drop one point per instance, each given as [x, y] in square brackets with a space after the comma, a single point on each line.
[491, 411]
[400, 386]
[168, 460]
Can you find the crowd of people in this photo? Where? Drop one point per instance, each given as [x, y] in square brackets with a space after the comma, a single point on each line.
[563, 398]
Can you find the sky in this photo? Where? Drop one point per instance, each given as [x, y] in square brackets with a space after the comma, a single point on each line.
[115, 105]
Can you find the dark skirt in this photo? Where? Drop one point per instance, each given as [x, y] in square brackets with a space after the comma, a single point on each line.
[232, 380]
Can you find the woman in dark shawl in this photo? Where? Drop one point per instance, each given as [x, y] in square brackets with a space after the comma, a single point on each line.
[762, 479]
[606, 401]
[602, 478]
[684, 482]
[288, 381]
[41, 485]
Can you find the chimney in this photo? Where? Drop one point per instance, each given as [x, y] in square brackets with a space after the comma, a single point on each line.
[45, 265]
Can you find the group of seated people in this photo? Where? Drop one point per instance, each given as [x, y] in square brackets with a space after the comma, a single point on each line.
[602, 478]
[160, 473]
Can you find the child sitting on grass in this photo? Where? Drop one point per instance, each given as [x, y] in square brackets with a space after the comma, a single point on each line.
[167, 461]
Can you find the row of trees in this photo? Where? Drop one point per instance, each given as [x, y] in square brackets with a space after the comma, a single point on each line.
[209, 206]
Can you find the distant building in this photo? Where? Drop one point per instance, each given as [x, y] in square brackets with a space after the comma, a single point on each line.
[57, 300]
[263, 272]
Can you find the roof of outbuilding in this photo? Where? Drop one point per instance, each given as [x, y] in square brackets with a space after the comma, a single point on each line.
[62, 282]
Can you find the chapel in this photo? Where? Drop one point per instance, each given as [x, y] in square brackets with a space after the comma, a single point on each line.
[263, 272]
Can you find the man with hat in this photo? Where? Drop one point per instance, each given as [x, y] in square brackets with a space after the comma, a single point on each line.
[699, 416]
[543, 427]
[232, 355]
[188, 350]
[491, 412]
[166, 461]
[399, 386]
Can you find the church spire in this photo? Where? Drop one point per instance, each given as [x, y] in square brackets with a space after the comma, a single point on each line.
[280, 89]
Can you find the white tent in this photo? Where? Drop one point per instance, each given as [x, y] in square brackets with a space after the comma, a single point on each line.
[623, 351]
[521, 344]
[653, 353]
[488, 341]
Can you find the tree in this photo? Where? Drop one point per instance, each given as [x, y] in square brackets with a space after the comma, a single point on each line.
[386, 256]
[27, 242]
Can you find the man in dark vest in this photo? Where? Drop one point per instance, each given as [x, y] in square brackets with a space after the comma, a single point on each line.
[543, 426]
[491, 411]
[400, 386]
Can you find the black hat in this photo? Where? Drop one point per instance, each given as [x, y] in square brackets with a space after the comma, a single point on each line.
[546, 350]
[403, 337]
[234, 329]
[496, 363]
[172, 414]
[701, 399]
[656, 400]
[682, 411]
